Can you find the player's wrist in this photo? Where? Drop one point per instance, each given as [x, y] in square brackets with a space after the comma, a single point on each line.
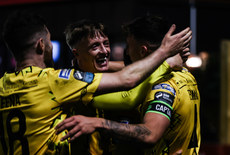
[163, 52]
[99, 123]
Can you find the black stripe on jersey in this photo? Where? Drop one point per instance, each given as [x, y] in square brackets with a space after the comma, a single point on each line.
[165, 97]
[160, 107]
[29, 71]
[40, 73]
[17, 72]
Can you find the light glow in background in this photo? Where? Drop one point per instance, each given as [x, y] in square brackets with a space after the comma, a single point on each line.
[56, 50]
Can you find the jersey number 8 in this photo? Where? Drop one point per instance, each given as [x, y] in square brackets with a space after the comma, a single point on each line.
[13, 136]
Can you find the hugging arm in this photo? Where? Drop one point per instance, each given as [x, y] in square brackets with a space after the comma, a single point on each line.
[135, 73]
[149, 132]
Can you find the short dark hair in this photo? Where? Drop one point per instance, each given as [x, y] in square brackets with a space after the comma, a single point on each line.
[76, 31]
[148, 28]
[20, 28]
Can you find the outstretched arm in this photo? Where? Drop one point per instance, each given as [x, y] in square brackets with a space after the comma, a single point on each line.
[115, 66]
[132, 98]
[135, 73]
[148, 132]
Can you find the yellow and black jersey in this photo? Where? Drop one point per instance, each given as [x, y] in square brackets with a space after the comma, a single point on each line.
[126, 100]
[121, 107]
[178, 99]
[31, 104]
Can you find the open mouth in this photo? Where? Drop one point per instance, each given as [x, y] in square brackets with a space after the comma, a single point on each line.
[101, 61]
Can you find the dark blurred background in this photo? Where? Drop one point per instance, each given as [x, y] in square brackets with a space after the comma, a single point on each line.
[210, 30]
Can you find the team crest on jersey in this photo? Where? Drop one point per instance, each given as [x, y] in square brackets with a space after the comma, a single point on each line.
[83, 76]
[164, 86]
[64, 74]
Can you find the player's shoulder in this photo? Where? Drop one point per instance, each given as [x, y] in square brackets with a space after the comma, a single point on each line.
[65, 72]
[188, 75]
[72, 74]
[164, 86]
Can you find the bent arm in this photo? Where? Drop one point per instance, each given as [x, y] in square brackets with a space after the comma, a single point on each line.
[126, 100]
[135, 73]
[115, 66]
[155, 121]
[132, 75]
[149, 132]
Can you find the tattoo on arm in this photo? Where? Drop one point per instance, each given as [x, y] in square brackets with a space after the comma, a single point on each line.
[128, 132]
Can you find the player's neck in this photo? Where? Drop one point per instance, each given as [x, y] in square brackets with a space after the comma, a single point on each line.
[29, 62]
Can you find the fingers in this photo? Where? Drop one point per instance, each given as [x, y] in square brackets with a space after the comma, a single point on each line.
[65, 121]
[72, 134]
[66, 124]
[184, 32]
[171, 30]
[187, 37]
[186, 45]
[65, 137]
[186, 52]
[75, 136]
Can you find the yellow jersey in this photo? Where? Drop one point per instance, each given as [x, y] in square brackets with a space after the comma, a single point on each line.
[121, 107]
[177, 98]
[126, 100]
[32, 103]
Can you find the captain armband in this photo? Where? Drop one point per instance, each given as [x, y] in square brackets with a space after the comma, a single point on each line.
[162, 104]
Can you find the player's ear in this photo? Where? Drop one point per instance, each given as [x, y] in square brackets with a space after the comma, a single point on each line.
[74, 51]
[40, 46]
[144, 51]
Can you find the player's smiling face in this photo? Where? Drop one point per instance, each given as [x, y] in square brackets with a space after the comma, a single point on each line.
[93, 54]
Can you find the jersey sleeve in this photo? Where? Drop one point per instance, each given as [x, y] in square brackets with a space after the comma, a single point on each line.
[160, 99]
[69, 85]
[132, 98]
[162, 70]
